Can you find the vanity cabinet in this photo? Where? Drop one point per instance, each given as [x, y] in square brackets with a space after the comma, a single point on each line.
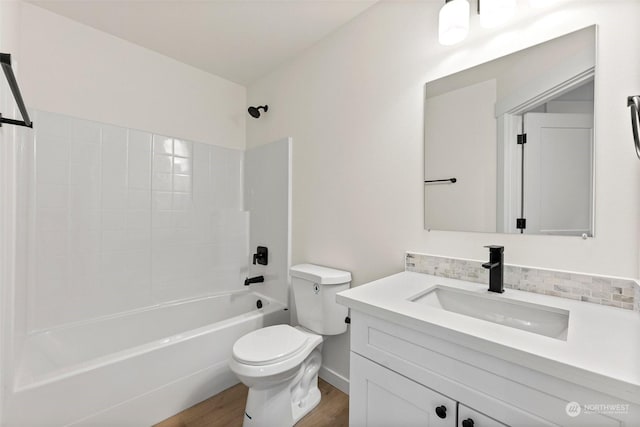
[380, 397]
[400, 376]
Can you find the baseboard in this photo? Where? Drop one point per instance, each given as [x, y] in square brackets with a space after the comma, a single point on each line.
[334, 378]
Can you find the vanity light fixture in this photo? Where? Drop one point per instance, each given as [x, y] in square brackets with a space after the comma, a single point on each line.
[453, 22]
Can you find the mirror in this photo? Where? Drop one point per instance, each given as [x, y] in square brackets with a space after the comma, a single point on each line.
[509, 143]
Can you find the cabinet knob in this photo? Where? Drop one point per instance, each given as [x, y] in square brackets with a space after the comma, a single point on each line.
[467, 423]
[441, 411]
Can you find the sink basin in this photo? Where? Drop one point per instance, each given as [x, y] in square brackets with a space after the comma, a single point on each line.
[539, 319]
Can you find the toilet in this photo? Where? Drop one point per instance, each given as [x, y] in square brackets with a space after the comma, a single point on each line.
[280, 363]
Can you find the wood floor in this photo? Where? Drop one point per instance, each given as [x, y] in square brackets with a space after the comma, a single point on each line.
[226, 409]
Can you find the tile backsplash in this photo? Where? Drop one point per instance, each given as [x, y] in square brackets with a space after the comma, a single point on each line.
[611, 291]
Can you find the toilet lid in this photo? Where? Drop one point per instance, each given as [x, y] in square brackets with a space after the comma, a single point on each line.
[269, 345]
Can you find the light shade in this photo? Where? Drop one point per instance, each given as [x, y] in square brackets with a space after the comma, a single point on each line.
[453, 24]
[540, 3]
[494, 13]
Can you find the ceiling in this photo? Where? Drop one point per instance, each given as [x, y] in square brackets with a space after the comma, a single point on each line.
[239, 40]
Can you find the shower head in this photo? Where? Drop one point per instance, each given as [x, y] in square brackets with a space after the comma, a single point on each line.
[255, 111]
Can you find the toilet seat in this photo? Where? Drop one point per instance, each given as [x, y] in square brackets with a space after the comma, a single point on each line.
[280, 363]
[269, 345]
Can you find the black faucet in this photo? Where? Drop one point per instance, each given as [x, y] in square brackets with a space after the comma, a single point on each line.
[261, 256]
[496, 268]
[250, 280]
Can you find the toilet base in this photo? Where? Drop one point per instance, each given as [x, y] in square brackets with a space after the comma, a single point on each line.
[285, 404]
[312, 400]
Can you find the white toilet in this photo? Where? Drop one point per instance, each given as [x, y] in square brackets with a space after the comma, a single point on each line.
[280, 363]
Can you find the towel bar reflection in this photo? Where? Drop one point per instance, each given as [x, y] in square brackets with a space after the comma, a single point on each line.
[633, 102]
[5, 60]
[431, 181]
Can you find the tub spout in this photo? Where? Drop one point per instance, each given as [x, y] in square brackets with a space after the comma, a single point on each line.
[250, 280]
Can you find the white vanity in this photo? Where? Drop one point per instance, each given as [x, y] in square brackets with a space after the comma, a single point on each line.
[434, 351]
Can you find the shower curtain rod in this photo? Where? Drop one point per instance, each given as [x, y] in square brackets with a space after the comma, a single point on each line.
[5, 59]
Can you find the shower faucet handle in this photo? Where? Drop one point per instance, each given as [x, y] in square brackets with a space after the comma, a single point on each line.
[261, 256]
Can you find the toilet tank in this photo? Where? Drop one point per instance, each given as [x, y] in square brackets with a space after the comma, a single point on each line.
[314, 292]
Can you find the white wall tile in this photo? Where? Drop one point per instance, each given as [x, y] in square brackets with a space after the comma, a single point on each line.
[84, 241]
[138, 200]
[85, 198]
[182, 183]
[113, 220]
[52, 276]
[226, 178]
[55, 173]
[181, 201]
[186, 220]
[162, 182]
[162, 163]
[112, 271]
[162, 219]
[114, 196]
[162, 201]
[182, 148]
[52, 242]
[51, 149]
[52, 196]
[138, 266]
[182, 165]
[139, 160]
[200, 173]
[84, 272]
[85, 132]
[140, 140]
[138, 220]
[84, 164]
[138, 240]
[114, 147]
[119, 226]
[113, 240]
[162, 145]
[52, 220]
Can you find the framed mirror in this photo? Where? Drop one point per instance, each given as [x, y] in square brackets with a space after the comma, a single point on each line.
[509, 145]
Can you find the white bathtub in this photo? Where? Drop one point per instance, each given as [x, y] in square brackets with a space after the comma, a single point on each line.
[134, 369]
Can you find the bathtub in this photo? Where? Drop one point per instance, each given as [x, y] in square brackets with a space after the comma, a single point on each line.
[137, 368]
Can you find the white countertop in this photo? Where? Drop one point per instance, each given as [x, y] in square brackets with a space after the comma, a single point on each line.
[602, 350]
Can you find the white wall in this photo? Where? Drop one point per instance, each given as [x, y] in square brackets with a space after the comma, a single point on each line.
[354, 107]
[70, 68]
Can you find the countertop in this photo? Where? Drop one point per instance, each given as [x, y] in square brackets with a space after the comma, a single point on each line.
[602, 350]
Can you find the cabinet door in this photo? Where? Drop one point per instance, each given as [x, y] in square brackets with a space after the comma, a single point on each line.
[468, 417]
[379, 397]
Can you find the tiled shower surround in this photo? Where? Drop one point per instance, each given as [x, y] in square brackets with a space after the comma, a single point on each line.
[125, 219]
[611, 291]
